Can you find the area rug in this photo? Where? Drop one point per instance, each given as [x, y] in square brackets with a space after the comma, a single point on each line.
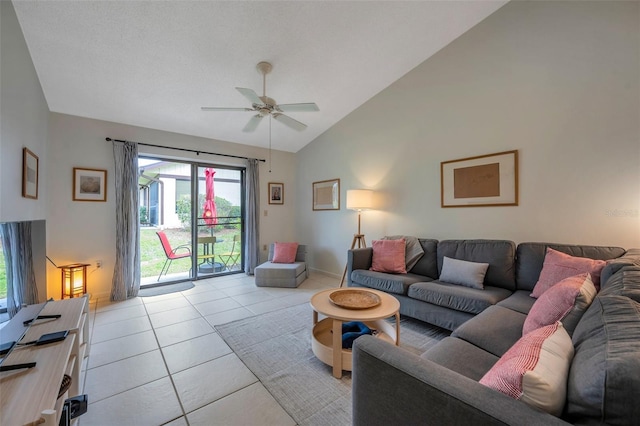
[276, 347]
[165, 289]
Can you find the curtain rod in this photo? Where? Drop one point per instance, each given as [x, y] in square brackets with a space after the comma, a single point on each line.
[197, 152]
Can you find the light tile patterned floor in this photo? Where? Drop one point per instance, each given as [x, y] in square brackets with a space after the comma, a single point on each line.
[159, 361]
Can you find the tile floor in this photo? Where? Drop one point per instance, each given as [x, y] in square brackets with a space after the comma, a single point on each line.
[159, 361]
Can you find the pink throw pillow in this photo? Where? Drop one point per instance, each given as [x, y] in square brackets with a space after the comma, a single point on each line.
[565, 302]
[535, 369]
[284, 252]
[388, 256]
[558, 266]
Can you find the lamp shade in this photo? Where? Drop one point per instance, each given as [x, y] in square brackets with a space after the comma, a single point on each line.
[359, 199]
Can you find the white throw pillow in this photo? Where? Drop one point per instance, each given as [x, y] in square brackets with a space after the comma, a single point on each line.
[535, 369]
[462, 272]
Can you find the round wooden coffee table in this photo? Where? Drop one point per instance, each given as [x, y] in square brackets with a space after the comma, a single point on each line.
[327, 333]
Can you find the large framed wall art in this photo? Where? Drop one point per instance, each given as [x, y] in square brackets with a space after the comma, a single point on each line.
[482, 181]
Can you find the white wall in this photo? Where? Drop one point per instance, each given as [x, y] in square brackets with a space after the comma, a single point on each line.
[23, 123]
[558, 81]
[85, 231]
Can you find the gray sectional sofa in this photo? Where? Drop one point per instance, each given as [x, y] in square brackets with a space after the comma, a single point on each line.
[441, 387]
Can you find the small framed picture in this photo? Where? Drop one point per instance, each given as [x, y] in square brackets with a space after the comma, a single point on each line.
[326, 195]
[276, 193]
[89, 184]
[29, 174]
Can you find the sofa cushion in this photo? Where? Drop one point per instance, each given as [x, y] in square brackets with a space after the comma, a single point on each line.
[391, 283]
[388, 256]
[530, 257]
[603, 384]
[462, 272]
[557, 266]
[566, 301]
[495, 329]
[535, 369]
[457, 297]
[520, 301]
[462, 357]
[630, 258]
[626, 282]
[499, 254]
[427, 265]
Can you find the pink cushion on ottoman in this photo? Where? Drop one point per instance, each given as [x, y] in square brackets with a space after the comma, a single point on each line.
[557, 266]
[284, 252]
[535, 369]
[388, 256]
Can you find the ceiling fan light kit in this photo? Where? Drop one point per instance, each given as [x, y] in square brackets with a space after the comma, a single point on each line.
[265, 106]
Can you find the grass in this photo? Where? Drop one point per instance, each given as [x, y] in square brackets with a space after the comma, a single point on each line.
[153, 257]
[3, 276]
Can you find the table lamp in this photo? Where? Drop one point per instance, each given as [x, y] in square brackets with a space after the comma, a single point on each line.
[74, 279]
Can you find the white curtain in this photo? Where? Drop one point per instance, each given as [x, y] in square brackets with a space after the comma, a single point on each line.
[126, 273]
[252, 248]
[18, 257]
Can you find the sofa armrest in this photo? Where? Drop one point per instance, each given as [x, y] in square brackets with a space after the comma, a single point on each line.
[358, 259]
[393, 386]
[630, 258]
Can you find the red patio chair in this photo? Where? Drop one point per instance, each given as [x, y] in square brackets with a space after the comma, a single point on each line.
[171, 253]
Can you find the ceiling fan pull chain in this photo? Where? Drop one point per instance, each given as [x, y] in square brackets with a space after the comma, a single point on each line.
[264, 84]
[269, 143]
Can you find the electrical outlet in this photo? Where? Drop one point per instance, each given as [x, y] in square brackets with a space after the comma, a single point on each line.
[98, 264]
[264, 247]
[265, 212]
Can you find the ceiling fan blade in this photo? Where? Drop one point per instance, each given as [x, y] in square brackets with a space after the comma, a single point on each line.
[225, 109]
[285, 119]
[252, 123]
[251, 95]
[306, 107]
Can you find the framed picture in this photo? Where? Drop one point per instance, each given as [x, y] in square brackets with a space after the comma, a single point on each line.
[276, 193]
[89, 184]
[326, 195]
[29, 174]
[486, 180]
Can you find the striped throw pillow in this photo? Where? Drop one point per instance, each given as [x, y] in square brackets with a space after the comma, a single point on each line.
[535, 369]
[565, 302]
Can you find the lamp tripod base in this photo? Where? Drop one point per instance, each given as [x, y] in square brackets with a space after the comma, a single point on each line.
[359, 240]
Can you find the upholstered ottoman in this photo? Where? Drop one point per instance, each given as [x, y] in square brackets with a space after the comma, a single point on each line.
[290, 275]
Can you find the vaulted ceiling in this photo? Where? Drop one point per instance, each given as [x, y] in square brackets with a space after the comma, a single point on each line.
[155, 63]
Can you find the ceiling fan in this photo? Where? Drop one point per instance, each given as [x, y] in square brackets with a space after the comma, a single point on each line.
[265, 105]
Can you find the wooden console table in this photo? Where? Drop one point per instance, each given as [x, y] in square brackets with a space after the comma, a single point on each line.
[30, 396]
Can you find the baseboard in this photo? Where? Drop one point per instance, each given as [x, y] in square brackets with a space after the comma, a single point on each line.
[327, 273]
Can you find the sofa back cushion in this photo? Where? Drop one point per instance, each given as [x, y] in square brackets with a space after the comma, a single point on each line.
[625, 282]
[604, 380]
[427, 265]
[499, 254]
[630, 258]
[530, 258]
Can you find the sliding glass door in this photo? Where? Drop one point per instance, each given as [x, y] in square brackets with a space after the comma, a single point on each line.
[191, 220]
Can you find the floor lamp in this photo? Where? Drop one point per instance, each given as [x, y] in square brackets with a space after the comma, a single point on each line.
[358, 199]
